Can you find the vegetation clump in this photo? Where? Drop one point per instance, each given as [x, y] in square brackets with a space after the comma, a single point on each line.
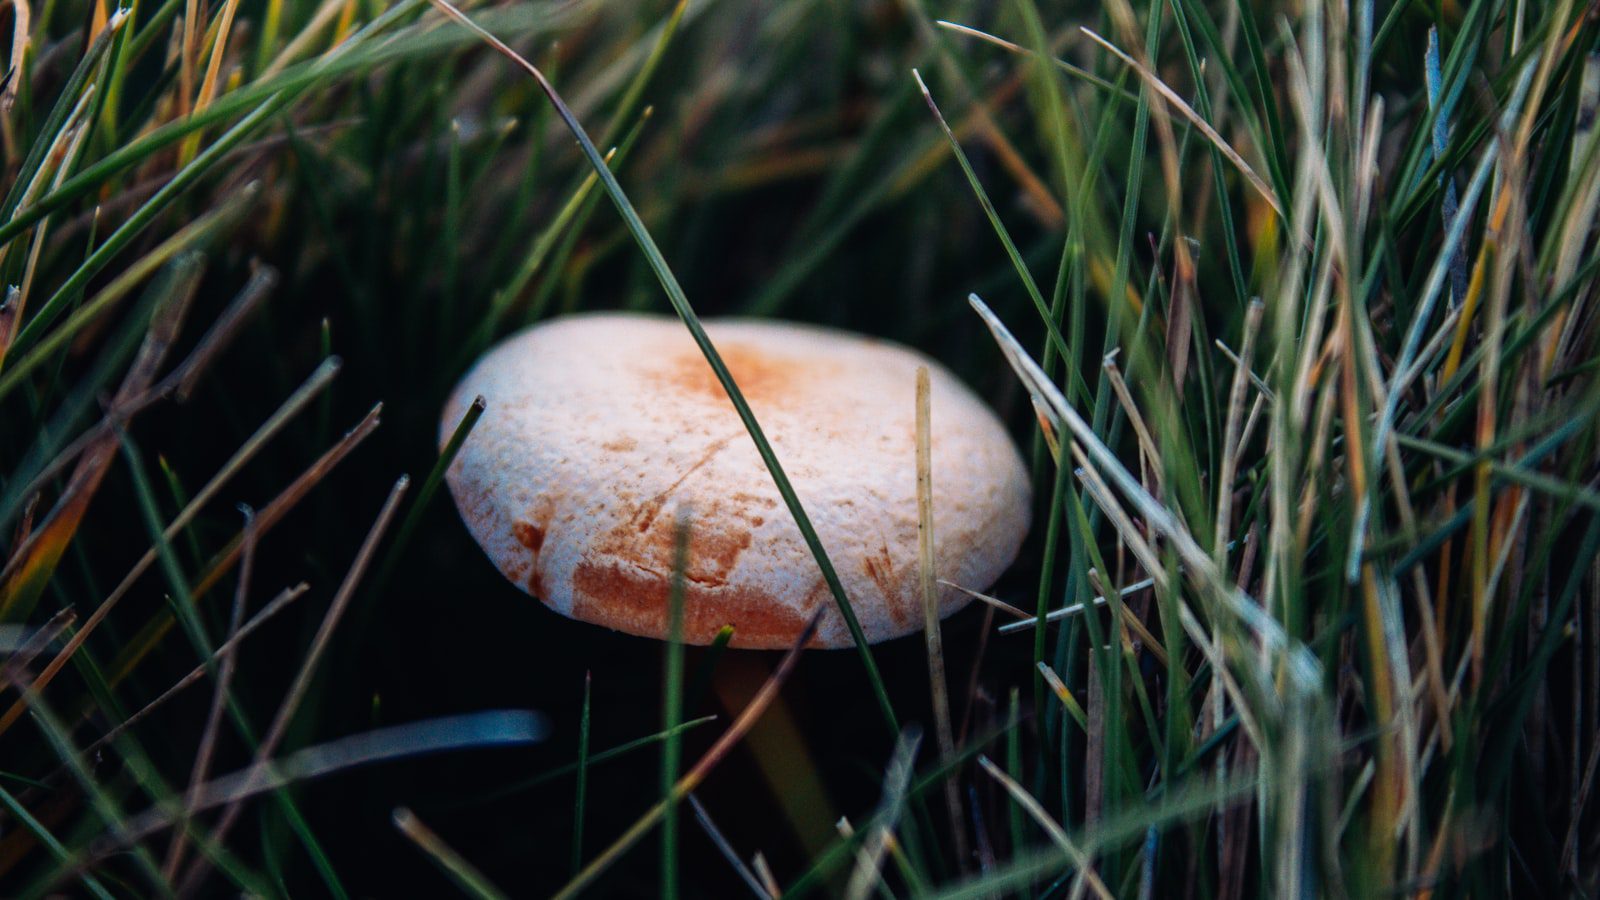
[1292, 307]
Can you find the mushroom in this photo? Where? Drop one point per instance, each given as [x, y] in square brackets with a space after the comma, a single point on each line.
[602, 429]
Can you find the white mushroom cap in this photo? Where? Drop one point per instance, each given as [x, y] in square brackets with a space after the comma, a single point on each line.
[601, 429]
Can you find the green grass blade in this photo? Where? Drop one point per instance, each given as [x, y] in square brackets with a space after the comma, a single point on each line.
[680, 304]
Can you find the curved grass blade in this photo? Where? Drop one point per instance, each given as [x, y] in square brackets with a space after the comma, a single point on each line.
[430, 486]
[680, 304]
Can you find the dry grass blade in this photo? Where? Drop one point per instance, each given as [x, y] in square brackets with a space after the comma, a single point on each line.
[1199, 565]
[1131, 621]
[180, 382]
[224, 651]
[23, 577]
[208, 86]
[43, 636]
[294, 404]
[266, 519]
[20, 41]
[726, 849]
[1056, 615]
[223, 331]
[464, 874]
[764, 871]
[932, 634]
[1232, 357]
[225, 669]
[1012, 47]
[1057, 834]
[697, 774]
[1147, 443]
[1569, 847]
[1200, 124]
[10, 314]
[1064, 694]
[995, 602]
[1409, 364]
[308, 667]
[870, 855]
[1231, 438]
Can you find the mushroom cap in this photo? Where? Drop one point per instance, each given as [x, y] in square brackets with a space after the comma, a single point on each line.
[603, 429]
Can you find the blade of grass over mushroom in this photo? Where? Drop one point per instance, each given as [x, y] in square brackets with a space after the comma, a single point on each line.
[680, 304]
[465, 875]
[700, 770]
[672, 707]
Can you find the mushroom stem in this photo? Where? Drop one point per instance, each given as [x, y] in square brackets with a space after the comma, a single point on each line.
[693, 778]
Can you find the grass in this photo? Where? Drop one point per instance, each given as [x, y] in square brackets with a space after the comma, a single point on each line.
[1291, 305]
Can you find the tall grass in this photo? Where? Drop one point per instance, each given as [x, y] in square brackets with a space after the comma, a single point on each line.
[1292, 306]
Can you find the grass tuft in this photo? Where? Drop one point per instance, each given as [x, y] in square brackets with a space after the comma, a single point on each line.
[1291, 305]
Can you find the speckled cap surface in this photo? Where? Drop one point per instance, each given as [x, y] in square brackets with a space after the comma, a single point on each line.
[601, 430]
